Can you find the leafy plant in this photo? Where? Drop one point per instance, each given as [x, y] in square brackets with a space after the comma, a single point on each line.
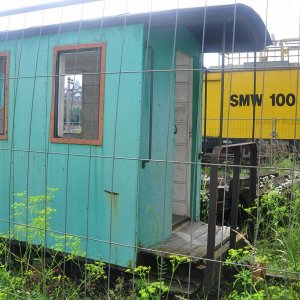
[158, 289]
[276, 249]
[146, 289]
[38, 273]
[176, 261]
[204, 198]
[35, 272]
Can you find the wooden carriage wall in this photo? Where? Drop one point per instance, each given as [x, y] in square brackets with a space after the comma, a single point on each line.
[96, 112]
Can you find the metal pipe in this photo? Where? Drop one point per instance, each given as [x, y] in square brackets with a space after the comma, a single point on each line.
[150, 107]
[56, 4]
[254, 104]
[205, 110]
[222, 85]
[151, 101]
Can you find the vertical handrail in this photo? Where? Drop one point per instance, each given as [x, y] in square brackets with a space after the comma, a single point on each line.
[212, 218]
[235, 196]
[252, 188]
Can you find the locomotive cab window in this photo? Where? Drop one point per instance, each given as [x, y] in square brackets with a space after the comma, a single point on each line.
[77, 106]
[3, 94]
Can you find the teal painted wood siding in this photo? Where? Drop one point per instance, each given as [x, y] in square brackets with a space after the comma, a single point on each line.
[104, 198]
[104, 224]
[156, 179]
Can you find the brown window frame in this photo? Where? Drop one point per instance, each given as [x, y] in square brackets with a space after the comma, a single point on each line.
[5, 127]
[70, 140]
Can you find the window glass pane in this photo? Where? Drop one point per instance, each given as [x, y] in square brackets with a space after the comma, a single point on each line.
[78, 94]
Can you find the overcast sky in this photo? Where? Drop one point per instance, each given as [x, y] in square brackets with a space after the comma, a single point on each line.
[281, 16]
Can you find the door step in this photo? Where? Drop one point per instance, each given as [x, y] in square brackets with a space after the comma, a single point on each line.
[178, 221]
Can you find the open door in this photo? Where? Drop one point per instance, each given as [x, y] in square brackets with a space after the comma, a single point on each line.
[182, 138]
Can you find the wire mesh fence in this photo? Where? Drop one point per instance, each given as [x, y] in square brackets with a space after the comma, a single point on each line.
[105, 191]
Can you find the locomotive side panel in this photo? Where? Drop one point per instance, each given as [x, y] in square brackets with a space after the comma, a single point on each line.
[273, 104]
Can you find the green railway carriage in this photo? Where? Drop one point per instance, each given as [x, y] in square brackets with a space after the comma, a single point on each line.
[88, 110]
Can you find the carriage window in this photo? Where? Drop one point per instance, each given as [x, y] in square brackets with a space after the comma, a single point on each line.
[3, 94]
[78, 94]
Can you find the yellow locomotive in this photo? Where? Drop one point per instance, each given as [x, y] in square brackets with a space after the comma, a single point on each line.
[260, 96]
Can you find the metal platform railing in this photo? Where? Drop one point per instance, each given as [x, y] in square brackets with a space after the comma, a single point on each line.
[212, 217]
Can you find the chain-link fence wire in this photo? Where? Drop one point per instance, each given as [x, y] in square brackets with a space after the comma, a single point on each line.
[258, 269]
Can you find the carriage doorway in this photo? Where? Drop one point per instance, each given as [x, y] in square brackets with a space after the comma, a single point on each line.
[182, 138]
